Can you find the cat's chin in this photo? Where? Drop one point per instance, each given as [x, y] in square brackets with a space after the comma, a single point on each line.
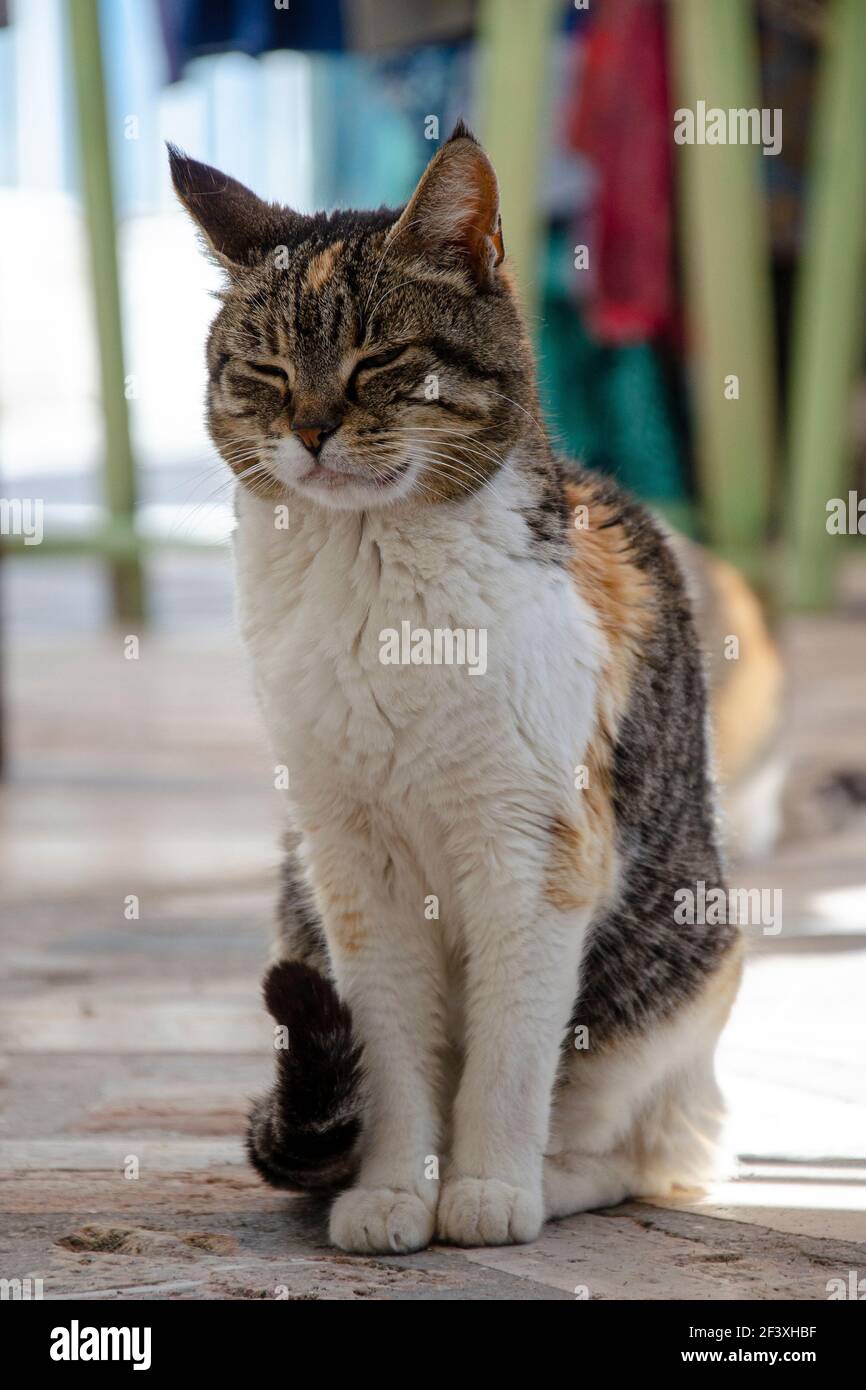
[348, 493]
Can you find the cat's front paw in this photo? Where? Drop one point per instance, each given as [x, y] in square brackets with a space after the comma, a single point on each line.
[485, 1211]
[381, 1221]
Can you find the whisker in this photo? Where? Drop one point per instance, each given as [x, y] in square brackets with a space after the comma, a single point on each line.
[459, 469]
[214, 497]
[459, 441]
[537, 423]
[390, 240]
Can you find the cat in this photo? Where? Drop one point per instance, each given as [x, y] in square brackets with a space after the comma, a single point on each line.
[492, 1015]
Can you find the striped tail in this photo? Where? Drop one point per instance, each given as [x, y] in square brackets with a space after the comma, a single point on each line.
[303, 1134]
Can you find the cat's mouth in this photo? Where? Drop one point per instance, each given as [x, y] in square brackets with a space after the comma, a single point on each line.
[339, 478]
[321, 475]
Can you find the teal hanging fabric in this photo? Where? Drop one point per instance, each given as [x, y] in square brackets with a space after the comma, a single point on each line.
[609, 407]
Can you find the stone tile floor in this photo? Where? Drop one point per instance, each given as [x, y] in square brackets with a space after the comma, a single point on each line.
[131, 1045]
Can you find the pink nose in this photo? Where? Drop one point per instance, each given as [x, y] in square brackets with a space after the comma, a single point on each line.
[313, 434]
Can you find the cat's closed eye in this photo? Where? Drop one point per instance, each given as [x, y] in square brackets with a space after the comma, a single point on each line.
[376, 360]
[268, 369]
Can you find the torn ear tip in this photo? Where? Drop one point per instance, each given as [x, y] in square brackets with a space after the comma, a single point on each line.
[461, 131]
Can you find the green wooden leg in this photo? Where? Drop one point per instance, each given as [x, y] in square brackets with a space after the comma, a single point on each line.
[828, 310]
[515, 40]
[119, 478]
[727, 281]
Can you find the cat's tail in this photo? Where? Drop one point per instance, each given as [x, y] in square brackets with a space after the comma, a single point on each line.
[304, 1133]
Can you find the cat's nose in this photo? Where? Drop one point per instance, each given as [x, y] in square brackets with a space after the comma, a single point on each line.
[313, 434]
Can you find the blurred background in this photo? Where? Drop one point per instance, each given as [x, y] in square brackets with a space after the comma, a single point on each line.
[697, 311]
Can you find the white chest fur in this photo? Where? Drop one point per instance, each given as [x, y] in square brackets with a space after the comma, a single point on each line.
[405, 741]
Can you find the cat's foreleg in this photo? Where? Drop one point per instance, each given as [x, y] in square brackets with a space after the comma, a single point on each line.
[387, 965]
[522, 960]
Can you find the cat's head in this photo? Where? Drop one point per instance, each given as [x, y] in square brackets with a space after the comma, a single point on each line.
[359, 358]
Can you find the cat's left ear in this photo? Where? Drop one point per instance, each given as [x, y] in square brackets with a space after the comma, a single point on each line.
[453, 215]
[239, 228]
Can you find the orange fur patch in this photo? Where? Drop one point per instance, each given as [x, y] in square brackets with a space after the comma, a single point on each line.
[581, 868]
[321, 267]
[344, 924]
[620, 594]
[348, 929]
[582, 862]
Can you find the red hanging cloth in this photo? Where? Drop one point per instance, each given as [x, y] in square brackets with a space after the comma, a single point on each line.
[621, 121]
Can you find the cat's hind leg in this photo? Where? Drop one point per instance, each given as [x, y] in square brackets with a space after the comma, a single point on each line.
[670, 1145]
[641, 1117]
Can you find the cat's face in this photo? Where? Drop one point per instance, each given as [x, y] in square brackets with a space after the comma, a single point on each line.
[363, 358]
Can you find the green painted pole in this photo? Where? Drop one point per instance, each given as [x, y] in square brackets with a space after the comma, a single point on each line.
[828, 313]
[515, 43]
[119, 471]
[727, 282]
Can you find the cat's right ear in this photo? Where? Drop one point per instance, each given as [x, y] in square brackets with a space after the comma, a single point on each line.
[239, 228]
[453, 215]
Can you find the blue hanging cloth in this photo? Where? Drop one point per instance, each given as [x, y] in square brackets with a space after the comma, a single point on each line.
[194, 28]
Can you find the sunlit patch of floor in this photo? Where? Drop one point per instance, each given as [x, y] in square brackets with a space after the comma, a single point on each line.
[817, 1199]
